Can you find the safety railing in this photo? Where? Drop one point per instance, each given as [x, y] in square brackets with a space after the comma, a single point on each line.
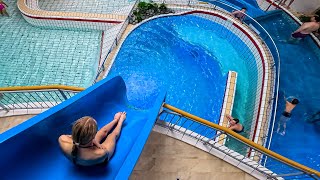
[203, 134]
[101, 68]
[260, 31]
[34, 97]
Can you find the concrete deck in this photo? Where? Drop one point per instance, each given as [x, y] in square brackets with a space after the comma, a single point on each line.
[169, 159]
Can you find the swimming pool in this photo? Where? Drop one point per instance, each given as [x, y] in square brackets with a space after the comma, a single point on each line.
[42, 56]
[300, 78]
[189, 57]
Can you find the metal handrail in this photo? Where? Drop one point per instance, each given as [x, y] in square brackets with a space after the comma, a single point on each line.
[277, 58]
[43, 87]
[266, 38]
[34, 97]
[246, 141]
[115, 42]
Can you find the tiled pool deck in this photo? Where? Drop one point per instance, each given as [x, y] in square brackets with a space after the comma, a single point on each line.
[37, 12]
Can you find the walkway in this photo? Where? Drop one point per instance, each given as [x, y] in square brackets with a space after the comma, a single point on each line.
[170, 159]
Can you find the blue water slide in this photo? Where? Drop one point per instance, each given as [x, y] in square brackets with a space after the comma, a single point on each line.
[252, 6]
[30, 150]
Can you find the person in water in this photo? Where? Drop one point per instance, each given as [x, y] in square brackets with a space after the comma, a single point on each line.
[306, 28]
[286, 115]
[3, 7]
[240, 14]
[234, 124]
[87, 146]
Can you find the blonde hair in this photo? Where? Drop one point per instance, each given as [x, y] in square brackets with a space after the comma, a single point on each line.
[83, 132]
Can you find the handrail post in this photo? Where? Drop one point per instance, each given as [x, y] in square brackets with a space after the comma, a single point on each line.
[62, 94]
[4, 107]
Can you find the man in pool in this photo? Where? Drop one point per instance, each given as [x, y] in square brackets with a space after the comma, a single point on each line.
[240, 14]
[234, 124]
[87, 146]
[306, 28]
[286, 115]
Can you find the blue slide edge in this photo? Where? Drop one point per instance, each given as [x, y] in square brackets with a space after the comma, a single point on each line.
[136, 150]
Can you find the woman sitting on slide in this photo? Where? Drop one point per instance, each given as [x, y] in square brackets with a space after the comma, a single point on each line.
[87, 146]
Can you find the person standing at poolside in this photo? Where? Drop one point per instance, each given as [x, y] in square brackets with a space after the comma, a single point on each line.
[3, 10]
[286, 115]
[306, 28]
[240, 14]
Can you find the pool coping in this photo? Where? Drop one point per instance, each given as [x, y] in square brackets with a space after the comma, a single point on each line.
[227, 106]
[39, 17]
[263, 116]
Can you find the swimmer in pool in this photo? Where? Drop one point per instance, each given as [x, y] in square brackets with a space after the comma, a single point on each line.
[286, 115]
[87, 146]
[234, 124]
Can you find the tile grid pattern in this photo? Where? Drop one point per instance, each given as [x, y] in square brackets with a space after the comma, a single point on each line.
[215, 149]
[38, 17]
[85, 6]
[262, 115]
[166, 158]
[265, 112]
[266, 65]
[227, 103]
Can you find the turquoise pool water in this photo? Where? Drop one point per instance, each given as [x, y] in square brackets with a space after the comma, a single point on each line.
[31, 55]
[189, 57]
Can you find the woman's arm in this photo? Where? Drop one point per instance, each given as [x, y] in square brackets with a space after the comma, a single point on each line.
[103, 132]
[229, 117]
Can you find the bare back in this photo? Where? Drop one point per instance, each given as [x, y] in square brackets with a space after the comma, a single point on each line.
[308, 27]
[86, 156]
[289, 107]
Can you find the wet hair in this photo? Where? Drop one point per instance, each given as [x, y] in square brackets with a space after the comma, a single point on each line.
[295, 101]
[244, 8]
[236, 120]
[317, 18]
[83, 131]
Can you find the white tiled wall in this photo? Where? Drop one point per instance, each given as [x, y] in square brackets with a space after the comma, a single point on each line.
[70, 24]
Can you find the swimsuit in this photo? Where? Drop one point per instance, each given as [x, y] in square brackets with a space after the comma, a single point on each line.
[240, 16]
[242, 130]
[2, 7]
[106, 160]
[285, 117]
[286, 114]
[299, 35]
